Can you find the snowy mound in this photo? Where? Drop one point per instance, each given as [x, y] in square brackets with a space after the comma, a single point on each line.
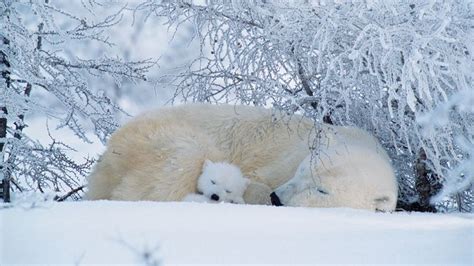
[109, 232]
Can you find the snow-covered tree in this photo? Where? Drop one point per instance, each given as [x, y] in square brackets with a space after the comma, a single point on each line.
[39, 75]
[386, 66]
[137, 35]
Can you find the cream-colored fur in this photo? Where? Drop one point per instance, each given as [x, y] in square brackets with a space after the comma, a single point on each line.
[350, 169]
[159, 155]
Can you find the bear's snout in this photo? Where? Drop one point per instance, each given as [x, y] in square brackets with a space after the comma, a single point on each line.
[214, 197]
[275, 199]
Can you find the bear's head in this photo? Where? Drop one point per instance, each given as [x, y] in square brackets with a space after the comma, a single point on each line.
[221, 181]
[340, 179]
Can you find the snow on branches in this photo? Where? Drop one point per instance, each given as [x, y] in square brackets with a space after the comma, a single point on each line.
[34, 59]
[379, 65]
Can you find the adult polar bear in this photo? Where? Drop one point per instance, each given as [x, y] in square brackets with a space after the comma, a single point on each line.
[159, 155]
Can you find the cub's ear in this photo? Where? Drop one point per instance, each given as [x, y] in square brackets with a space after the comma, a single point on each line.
[207, 162]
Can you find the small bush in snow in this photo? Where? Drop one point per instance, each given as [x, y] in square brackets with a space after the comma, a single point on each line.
[37, 56]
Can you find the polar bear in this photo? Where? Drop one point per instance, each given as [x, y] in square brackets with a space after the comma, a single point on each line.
[159, 155]
[220, 182]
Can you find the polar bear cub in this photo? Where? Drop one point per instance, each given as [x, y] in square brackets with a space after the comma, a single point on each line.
[220, 182]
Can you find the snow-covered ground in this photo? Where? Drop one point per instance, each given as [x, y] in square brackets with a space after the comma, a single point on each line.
[82, 233]
[106, 232]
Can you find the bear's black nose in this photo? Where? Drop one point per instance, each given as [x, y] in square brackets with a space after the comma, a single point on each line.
[214, 197]
[275, 199]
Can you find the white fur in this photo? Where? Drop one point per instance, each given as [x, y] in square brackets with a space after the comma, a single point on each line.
[346, 167]
[159, 156]
[222, 180]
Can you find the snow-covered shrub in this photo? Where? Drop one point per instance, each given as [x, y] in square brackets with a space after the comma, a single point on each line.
[379, 65]
[41, 73]
[461, 175]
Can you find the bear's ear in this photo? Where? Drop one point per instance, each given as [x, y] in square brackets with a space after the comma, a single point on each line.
[207, 162]
[247, 181]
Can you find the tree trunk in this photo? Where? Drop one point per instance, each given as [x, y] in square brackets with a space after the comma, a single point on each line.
[5, 74]
[4, 181]
[427, 184]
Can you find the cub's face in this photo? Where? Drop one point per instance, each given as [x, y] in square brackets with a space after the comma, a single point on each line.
[222, 182]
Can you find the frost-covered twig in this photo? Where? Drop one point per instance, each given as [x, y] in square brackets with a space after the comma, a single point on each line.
[148, 256]
[69, 194]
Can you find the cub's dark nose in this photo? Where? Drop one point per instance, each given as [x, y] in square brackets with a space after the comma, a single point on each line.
[275, 199]
[214, 197]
